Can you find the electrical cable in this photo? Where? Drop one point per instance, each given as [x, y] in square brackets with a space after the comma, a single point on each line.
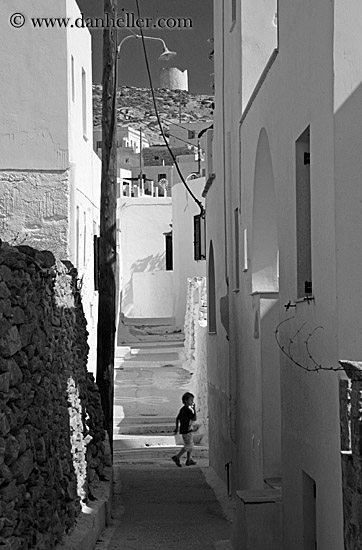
[199, 203]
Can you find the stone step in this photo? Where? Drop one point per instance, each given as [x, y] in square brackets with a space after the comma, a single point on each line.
[142, 429]
[157, 346]
[149, 321]
[156, 350]
[153, 356]
[151, 453]
[155, 440]
[147, 418]
[158, 338]
[124, 364]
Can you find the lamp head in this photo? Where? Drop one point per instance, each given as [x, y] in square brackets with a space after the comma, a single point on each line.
[166, 55]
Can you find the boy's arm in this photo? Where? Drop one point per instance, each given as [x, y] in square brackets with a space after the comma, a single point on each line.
[177, 423]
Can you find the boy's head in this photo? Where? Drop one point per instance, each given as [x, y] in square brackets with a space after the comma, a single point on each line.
[187, 398]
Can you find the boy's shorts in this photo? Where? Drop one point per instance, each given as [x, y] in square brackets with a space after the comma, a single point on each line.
[188, 440]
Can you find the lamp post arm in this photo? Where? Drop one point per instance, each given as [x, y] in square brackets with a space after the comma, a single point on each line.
[137, 36]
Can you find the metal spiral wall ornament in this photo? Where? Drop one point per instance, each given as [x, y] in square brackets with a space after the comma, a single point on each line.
[287, 349]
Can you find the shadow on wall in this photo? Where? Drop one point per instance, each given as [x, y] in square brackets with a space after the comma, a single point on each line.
[150, 263]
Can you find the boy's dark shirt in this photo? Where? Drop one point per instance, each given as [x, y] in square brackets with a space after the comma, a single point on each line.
[185, 417]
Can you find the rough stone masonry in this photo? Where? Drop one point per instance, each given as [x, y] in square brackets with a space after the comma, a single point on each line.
[52, 437]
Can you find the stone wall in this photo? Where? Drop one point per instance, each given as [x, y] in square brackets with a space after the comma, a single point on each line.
[351, 446]
[34, 207]
[195, 349]
[52, 439]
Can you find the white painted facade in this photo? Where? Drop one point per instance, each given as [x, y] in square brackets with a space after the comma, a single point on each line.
[127, 136]
[49, 174]
[284, 86]
[142, 224]
[185, 134]
[185, 266]
[146, 288]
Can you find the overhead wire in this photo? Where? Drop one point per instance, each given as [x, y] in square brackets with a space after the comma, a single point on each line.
[197, 201]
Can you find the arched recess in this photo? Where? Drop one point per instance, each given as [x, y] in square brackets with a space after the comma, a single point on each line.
[264, 259]
[211, 314]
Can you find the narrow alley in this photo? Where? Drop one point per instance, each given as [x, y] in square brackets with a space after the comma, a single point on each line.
[156, 504]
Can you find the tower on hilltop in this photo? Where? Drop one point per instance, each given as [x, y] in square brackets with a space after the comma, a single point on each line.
[172, 78]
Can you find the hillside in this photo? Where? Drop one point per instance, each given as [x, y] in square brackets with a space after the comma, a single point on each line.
[135, 107]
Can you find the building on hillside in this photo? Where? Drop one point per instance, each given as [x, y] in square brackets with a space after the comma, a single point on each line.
[284, 258]
[186, 134]
[127, 136]
[49, 174]
[154, 174]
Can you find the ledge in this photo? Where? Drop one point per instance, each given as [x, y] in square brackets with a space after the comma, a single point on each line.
[209, 181]
[93, 519]
[259, 84]
[353, 369]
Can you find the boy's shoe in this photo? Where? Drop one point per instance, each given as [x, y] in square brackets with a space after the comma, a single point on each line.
[176, 461]
[190, 462]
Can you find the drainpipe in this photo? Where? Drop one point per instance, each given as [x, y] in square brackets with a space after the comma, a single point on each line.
[223, 144]
[72, 214]
[227, 468]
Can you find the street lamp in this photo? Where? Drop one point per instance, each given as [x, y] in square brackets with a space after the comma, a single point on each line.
[166, 55]
[107, 272]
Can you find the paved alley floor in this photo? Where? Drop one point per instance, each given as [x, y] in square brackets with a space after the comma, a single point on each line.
[158, 505]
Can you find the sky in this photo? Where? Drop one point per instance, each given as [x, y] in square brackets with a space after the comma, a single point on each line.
[191, 44]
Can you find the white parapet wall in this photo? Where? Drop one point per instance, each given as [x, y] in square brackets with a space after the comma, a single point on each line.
[153, 294]
[195, 349]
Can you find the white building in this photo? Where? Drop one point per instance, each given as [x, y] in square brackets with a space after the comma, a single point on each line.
[185, 134]
[49, 173]
[126, 137]
[284, 259]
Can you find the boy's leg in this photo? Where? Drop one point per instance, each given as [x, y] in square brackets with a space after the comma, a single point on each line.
[187, 438]
[190, 447]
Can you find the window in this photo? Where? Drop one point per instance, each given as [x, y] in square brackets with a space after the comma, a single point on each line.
[233, 11]
[191, 134]
[199, 238]
[84, 103]
[236, 250]
[72, 77]
[77, 238]
[84, 238]
[303, 215]
[169, 262]
[309, 496]
[211, 310]
[96, 241]
[99, 145]
[162, 177]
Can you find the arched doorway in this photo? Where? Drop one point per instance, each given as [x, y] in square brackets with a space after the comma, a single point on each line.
[265, 286]
[264, 237]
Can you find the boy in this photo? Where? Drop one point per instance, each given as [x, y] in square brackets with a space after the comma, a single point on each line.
[185, 418]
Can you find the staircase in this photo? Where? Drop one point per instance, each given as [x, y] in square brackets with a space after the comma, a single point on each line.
[149, 382]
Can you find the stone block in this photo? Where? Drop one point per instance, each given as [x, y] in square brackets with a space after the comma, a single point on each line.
[10, 343]
[4, 425]
[4, 382]
[15, 373]
[12, 448]
[4, 291]
[23, 466]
